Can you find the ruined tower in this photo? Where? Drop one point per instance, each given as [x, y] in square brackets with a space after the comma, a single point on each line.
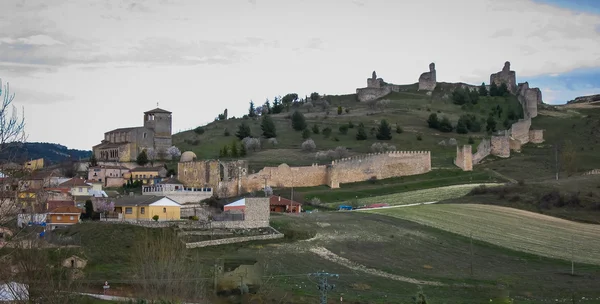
[505, 76]
[427, 80]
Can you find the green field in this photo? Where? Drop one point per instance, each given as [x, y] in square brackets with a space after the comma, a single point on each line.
[511, 228]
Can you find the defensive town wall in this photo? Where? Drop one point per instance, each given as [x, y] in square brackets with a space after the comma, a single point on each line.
[520, 130]
[483, 149]
[346, 170]
[464, 158]
[536, 136]
[500, 146]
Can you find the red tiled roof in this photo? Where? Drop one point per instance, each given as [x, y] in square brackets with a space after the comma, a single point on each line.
[66, 209]
[74, 182]
[63, 190]
[281, 201]
[52, 205]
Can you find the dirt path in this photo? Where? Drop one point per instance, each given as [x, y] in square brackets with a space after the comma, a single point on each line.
[330, 256]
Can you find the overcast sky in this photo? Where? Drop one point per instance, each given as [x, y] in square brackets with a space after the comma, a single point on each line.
[81, 68]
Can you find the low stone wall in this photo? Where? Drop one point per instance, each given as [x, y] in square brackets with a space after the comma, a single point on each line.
[234, 240]
[536, 136]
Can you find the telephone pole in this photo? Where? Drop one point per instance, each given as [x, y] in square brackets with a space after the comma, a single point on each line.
[323, 285]
[556, 158]
[471, 250]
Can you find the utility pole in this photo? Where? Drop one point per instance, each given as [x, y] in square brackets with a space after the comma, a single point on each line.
[471, 238]
[323, 285]
[556, 158]
[292, 194]
[572, 256]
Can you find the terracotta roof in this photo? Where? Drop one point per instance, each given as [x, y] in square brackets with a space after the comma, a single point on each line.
[146, 169]
[52, 205]
[282, 201]
[63, 190]
[157, 110]
[109, 145]
[142, 200]
[109, 167]
[127, 129]
[66, 209]
[74, 182]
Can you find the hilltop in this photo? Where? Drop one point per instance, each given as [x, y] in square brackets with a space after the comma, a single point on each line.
[51, 153]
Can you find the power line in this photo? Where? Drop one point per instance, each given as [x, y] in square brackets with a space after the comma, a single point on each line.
[323, 285]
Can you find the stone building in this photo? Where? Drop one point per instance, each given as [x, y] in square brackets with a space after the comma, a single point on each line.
[427, 80]
[505, 76]
[124, 144]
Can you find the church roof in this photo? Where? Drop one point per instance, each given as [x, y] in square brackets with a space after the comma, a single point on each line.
[157, 110]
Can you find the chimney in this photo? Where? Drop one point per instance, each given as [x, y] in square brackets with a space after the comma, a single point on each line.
[280, 198]
[171, 175]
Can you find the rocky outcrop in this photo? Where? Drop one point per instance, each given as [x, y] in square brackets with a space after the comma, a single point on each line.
[585, 99]
[427, 80]
[505, 76]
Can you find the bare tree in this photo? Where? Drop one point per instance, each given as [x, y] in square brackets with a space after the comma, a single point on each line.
[164, 268]
[12, 128]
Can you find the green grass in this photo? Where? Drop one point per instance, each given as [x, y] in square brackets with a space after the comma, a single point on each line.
[510, 228]
[369, 189]
[408, 109]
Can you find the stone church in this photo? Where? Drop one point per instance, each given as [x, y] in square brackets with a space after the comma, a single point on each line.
[124, 144]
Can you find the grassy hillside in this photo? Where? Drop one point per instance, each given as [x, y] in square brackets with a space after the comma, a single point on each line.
[409, 109]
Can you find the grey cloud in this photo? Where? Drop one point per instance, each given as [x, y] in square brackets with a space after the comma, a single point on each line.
[502, 33]
[33, 97]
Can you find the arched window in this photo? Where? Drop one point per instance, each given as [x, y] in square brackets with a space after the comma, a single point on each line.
[164, 210]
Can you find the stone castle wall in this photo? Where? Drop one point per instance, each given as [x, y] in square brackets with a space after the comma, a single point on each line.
[536, 136]
[483, 149]
[500, 146]
[464, 158]
[520, 130]
[367, 94]
[515, 145]
[347, 170]
[529, 98]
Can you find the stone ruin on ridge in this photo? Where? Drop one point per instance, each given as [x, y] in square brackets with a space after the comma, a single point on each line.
[427, 80]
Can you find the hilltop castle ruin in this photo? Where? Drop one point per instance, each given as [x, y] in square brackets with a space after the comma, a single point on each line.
[427, 80]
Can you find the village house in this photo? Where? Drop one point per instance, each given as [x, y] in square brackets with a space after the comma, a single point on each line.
[281, 204]
[63, 216]
[145, 207]
[147, 175]
[109, 176]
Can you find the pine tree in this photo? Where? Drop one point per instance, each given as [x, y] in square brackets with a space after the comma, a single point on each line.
[483, 90]
[461, 127]
[493, 89]
[268, 127]
[142, 158]
[234, 149]
[315, 129]
[384, 131]
[267, 105]
[433, 121]
[243, 131]
[361, 134]
[251, 110]
[243, 151]
[305, 134]
[491, 124]
[298, 121]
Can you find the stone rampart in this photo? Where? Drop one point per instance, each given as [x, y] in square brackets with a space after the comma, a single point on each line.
[367, 94]
[346, 170]
[515, 145]
[500, 146]
[427, 80]
[483, 149]
[464, 158]
[529, 98]
[536, 136]
[520, 130]
[234, 240]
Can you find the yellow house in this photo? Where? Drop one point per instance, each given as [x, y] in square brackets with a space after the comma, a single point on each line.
[34, 164]
[145, 207]
[147, 175]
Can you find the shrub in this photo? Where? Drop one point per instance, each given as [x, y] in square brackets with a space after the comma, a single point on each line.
[433, 121]
[445, 125]
[327, 132]
[309, 145]
[382, 147]
[344, 129]
[308, 106]
[337, 153]
[399, 129]
[199, 130]
[350, 125]
[347, 110]
[461, 127]
[419, 137]
[243, 131]
[226, 132]
[315, 129]
[360, 132]
[305, 134]
[268, 191]
[471, 140]
[251, 144]
[193, 218]
[314, 96]
[268, 127]
[272, 141]
[339, 110]
[155, 218]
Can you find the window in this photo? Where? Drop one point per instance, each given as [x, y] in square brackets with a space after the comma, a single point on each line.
[128, 210]
[99, 179]
[143, 210]
[80, 189]
[145, 134]
[58, 218]
[71, 217]
[164, 210]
